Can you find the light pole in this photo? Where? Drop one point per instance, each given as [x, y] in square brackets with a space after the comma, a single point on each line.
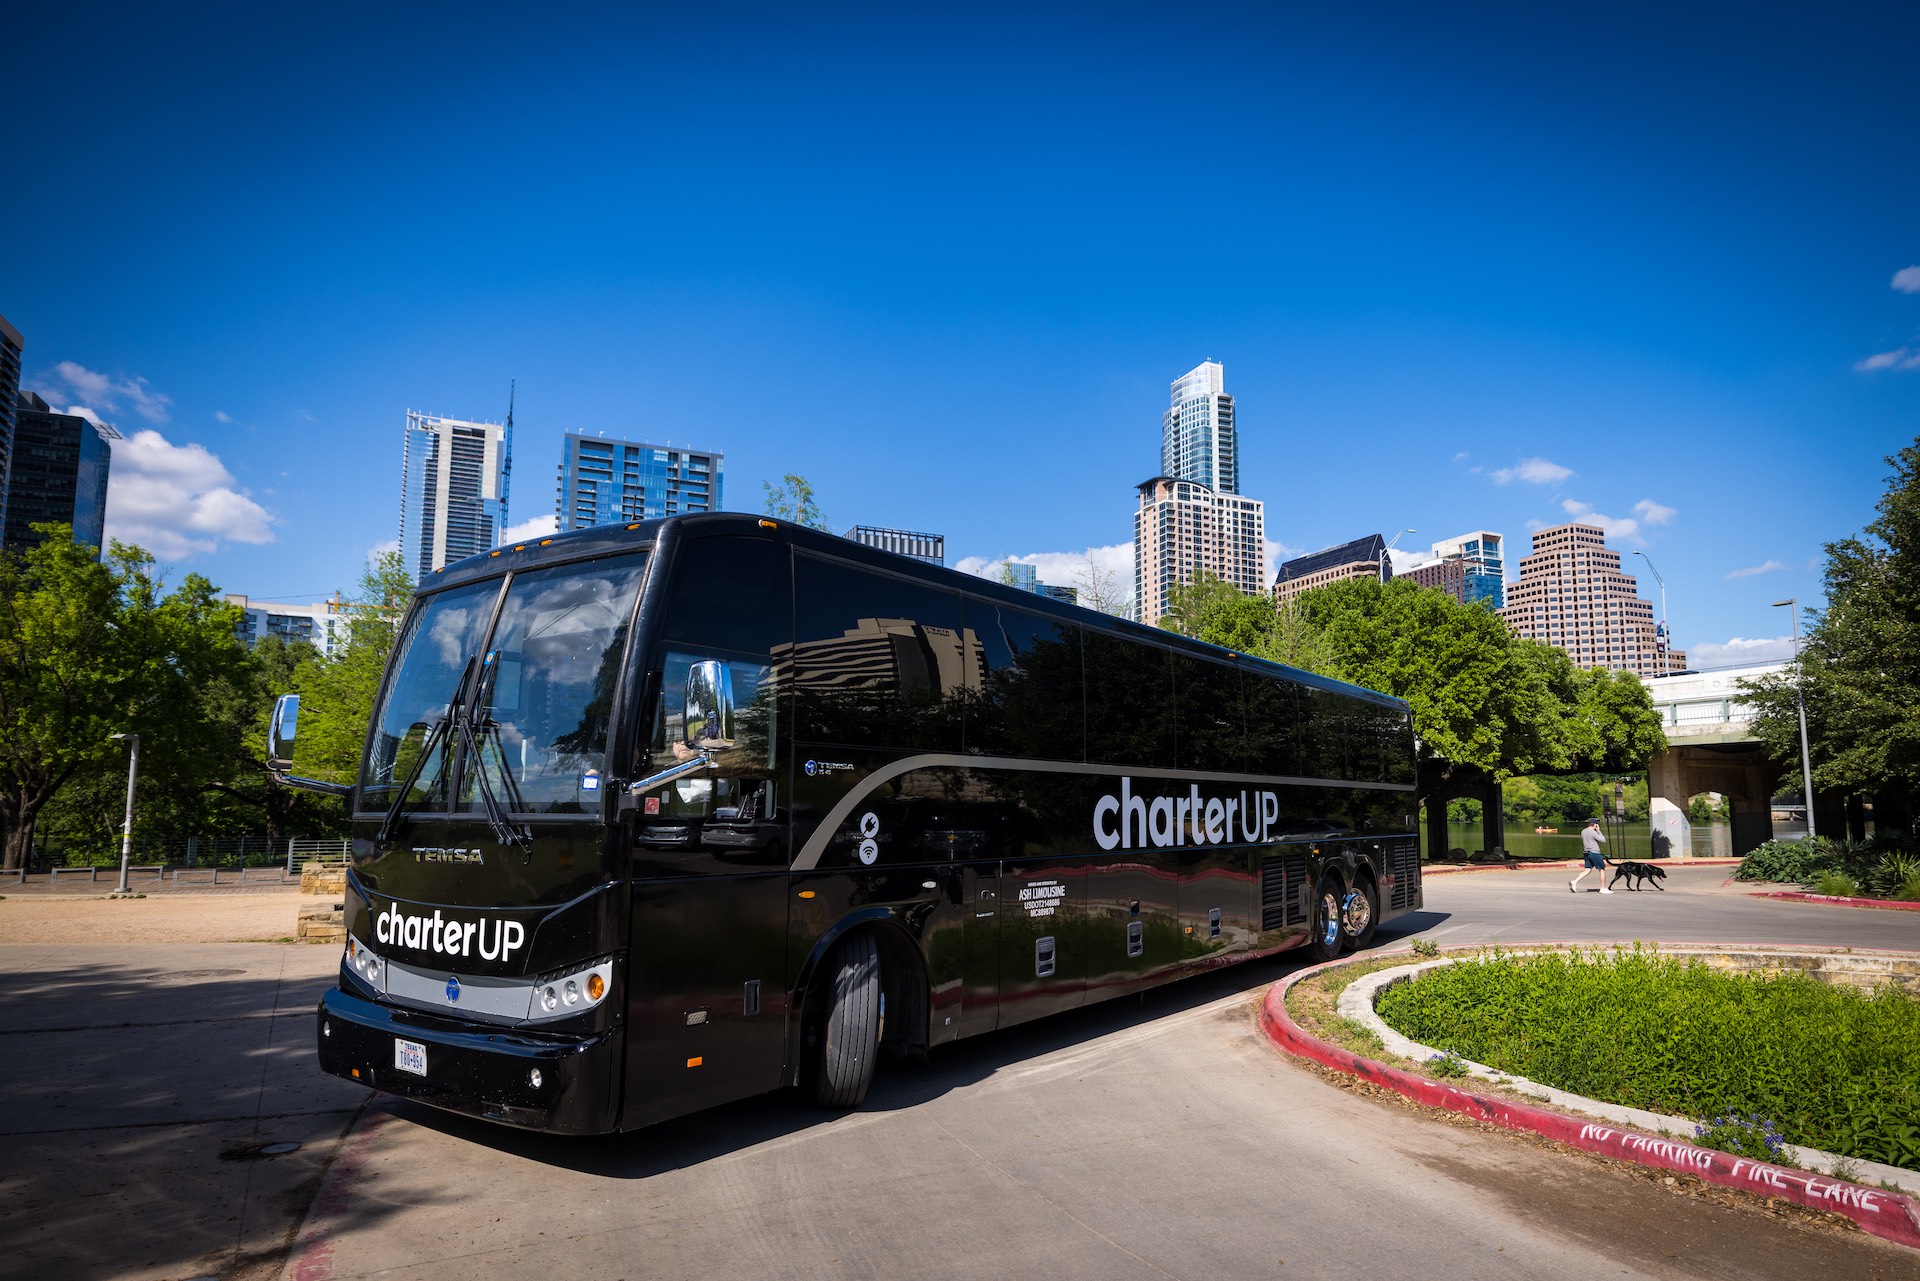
[1385, 558]
[1666, 624]
[1792, 605]
[126, 831]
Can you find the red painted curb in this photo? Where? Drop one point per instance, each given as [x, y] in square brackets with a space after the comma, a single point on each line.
[1835, 900]
[312, 1258]
[1892, 1215]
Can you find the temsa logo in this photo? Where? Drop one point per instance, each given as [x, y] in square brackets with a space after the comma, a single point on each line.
[454, 938]
[1132, 822]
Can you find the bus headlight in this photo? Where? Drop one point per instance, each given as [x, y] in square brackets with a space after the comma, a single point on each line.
[363, 962]
[574, 992]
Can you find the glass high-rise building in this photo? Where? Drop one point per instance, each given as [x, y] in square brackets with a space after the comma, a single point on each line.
[453, 489]
[604, 481]
[1197, 440]
[59, 473]
[1191, 517]
[12, 345]
[1484, 568]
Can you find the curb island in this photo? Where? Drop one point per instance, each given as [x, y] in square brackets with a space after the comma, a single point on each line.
[1890, 1215]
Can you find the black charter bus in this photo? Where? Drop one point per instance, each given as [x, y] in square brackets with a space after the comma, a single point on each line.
[657, 816]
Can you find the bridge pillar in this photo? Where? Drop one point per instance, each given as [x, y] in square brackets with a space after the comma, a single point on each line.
[1741, 773]
[1493, 821]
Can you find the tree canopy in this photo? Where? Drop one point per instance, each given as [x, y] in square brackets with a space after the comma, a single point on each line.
[793, 500]
[1860, 662]
[1483, 699]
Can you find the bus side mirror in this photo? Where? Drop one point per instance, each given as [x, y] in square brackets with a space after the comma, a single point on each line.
[709, 718]
[281, 727]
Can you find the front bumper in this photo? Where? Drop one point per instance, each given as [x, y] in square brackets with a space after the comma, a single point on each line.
[482, 1072]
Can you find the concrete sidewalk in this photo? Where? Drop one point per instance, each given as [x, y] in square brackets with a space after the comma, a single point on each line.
[143, 1081]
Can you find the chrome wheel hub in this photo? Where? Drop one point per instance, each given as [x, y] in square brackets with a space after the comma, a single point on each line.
[1356, 913]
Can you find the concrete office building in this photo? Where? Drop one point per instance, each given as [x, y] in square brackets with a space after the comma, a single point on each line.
[1192, 517]
[1361, 558]
[12, 346]
[1572, 594]
[59, 469]
[1483, 556]
[607, 481]
[453, 489]
[1449, 576]
[931, 548]
[321, 625]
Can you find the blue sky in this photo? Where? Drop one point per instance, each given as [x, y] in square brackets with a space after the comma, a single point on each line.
[945, 263]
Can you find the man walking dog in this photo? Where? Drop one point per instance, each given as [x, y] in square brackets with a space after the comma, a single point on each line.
[1591, 839]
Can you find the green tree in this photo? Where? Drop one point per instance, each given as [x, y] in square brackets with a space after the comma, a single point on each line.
[1214, 610]
[792, 500]
[92, 647]
[1860, 662]
[337, 694]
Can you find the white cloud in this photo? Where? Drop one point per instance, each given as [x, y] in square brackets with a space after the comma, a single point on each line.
[384, 548]
[1907, 280]
[1404, 560]
[1652, 513]
[537, 527]
[81, 411]
[1062, 569]
[1621, 527]
[1766, 567]
[1273, 554]
[103, 391]
[1899, 358]
[1739, 651]
[1460, 457]
[1534, 471]
[221, 416]
[178, 500]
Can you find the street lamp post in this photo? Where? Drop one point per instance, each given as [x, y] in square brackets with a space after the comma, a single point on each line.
[1666, 624]
[126, 830]
[1792, 605]
[1385, 557]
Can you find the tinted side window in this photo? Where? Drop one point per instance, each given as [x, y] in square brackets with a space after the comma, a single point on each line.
[1030, 701]
[1274, 738]
[878, 661]
[1327, 729]
[1129, 702]
[731, 593]
[1211, 726]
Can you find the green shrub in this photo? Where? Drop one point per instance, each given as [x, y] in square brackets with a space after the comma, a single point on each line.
[1836, 884]
[1447, 1065]
[1892, 874]
[1832, 1067]
[1425, 947]
[1788, 862]
[1751, 1136]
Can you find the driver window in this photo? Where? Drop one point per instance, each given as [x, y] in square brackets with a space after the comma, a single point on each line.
[739, 787]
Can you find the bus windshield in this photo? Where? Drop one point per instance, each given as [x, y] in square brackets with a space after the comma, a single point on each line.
[539, 706]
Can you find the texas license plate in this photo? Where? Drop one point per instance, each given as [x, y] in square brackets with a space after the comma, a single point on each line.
[410, 1056]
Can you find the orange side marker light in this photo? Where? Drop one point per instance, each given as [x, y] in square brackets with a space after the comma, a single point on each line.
[696, 1060]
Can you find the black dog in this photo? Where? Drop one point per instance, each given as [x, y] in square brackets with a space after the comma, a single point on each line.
[1635, 873]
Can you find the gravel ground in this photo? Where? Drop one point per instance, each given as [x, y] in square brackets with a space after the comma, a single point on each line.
[171, 917]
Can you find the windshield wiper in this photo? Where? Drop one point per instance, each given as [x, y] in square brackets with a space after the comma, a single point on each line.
[474, 725]
[436, 737]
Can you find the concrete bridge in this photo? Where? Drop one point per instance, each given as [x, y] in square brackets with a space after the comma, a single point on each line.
[1711, 748]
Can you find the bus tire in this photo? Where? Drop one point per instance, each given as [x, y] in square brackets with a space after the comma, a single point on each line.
[1326, 937]
[1359, 914]
[849, 1029]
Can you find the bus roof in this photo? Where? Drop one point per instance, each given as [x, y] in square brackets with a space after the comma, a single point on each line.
[605, 540]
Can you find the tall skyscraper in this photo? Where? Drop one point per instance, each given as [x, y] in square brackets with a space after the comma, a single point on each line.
[60, 467]
[11, 347]
[1191, 517]
[605, 481]
[1572, 594]
[1197, 440]
[453, 489]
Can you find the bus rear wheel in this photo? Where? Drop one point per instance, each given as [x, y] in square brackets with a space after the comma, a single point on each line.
[1325, 942]
[849, 1030]
[1359, 914]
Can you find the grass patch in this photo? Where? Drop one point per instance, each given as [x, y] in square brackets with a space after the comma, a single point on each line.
[1824, 1066]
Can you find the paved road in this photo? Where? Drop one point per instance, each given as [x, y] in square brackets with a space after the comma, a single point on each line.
[130, 1072]
[1157, 1137]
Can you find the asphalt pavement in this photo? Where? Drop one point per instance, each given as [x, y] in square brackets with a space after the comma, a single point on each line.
[1158, 1136]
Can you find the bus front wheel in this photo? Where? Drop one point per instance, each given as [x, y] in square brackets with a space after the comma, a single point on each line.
[848, 1037]
[1327, 939]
